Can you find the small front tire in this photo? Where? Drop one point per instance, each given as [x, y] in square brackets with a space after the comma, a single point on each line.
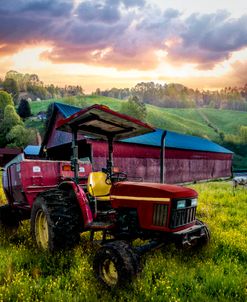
[205, 238]
[115, 264]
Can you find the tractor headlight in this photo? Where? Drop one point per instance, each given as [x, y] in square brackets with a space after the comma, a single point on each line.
[181, 204]
[194, 202]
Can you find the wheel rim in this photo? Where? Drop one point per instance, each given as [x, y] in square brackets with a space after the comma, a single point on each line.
[109, 273]
[41, 230]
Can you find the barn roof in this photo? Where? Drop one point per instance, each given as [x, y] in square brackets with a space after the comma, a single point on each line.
[178, 141]
[32, 150]
[173, 139]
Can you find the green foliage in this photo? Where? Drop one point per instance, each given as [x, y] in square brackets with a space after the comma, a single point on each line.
[37, 91]
[5, 99]
[134, 107]
[243, 134]
[12, 130]
[2, 195]
[216, 273]
[24, 109]
[75, 101]
[10, 85]
[19, 136]
[31, 83]
[11, 118]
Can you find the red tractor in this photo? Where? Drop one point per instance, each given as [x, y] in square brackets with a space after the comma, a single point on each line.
[63, 199]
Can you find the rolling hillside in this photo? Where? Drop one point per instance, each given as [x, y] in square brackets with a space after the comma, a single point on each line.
[207, 123]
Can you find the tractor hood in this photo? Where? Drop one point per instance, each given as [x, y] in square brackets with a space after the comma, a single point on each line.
[149, 191]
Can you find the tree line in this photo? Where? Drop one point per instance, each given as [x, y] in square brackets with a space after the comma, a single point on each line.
[179, 96]
[30, 86]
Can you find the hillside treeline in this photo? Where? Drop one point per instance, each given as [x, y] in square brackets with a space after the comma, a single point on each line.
[24, 86]
[179, 96]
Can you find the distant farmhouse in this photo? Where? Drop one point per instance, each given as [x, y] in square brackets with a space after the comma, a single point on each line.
[186, 158]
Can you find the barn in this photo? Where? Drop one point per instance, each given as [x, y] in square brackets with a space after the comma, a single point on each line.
[185, 158]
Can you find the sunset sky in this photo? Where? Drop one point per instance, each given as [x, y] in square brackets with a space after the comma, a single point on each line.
[118, 43]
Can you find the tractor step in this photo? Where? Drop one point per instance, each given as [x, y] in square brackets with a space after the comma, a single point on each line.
[98, 225]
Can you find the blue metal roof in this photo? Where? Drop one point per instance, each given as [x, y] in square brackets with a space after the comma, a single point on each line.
[32, 150]
[178, 141]
[173, 139]
[66, 110]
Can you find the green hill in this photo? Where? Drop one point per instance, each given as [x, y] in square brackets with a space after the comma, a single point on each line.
[207, 123]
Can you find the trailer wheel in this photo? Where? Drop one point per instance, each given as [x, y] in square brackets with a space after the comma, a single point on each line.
[55, 220]
[9, 221]
[115, 264]
[205, 239]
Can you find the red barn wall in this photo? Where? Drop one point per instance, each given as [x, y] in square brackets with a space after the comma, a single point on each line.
[141, 161]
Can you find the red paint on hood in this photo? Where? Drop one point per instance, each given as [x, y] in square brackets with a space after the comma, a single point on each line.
[146, 189]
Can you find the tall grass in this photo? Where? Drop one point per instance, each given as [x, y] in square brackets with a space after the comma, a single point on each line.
[2, 195]
[217, 273]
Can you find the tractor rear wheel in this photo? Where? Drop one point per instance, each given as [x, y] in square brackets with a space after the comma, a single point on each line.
[55, 220]
[115, 264]
[9, 221]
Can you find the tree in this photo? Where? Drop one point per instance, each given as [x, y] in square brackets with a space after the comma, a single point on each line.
[24, 109]
[19, 136]
[10, 85]
[10, 119]
[5, 100]
[134, 107]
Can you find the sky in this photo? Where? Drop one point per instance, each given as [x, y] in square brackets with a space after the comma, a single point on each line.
[118, 43]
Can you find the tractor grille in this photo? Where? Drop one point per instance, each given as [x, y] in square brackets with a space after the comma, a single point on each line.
[182, 216]
[160, 214]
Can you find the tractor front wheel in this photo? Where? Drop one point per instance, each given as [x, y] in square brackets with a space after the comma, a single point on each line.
[55, 219]
[205, 239]
[115, 264]
[9, 221]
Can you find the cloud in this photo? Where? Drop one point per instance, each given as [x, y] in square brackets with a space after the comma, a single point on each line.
[238, 73]
[120, 33]
[208, 39]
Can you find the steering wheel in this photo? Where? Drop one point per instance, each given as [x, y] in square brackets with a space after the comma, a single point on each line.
[118, 176]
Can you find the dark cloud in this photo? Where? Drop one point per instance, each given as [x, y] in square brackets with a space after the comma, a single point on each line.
[40, 7]
[96, 11]
[133, 3]
[120, 33]
[209, 39]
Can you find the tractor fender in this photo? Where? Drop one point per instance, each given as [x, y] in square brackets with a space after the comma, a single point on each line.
[81, 199]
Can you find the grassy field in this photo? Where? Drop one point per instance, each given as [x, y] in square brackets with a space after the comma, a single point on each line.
[217, 273]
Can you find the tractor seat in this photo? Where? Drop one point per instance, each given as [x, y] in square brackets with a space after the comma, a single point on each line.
[97, 186]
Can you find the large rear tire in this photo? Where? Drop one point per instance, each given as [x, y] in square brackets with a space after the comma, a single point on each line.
[115, 264]
[55, 220]
[9, 221]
